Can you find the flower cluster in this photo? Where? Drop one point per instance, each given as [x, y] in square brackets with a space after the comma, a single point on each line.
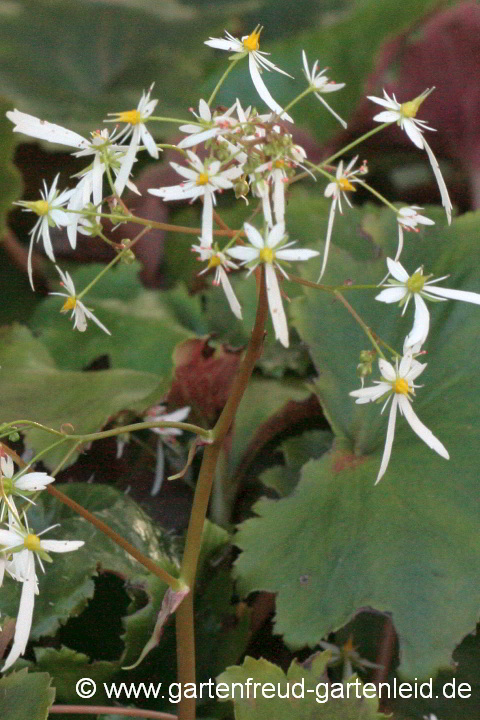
[21, 548]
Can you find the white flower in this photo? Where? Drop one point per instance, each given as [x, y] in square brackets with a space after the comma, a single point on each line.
[249, 45]
[262, 250]
[208, 126]
[418, 286]
[219, 261]
[336, 189]
[203, 179]
[80, 313]
[51, 213]
[398, 383]
[408, 218]
[322, 84]
[158, 413]
[25, 482]
[25, 546]
[137, 129]
[404, 114]
[101, 145]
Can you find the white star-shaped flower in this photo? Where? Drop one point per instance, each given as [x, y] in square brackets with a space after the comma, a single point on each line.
[337, 189]
[219, 261]
[249, 45]
[202, 179]
[20, 484]
[263, 250]
[408, 218]
[403, 287]
[51, 213]
[208, 125]
[322, 84]
[137, 130]
[404, 114]
[25, 547]
[80, 313]
[397, 384]
[166, 435]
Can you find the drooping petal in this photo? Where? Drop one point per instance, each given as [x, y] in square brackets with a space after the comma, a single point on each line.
[159, 469]
[420, 429]
[230, 295]
[387, 451]
[413, 133]
[24, 617]
[262, 90]
[421, 323]
[275, 304]
[331, 218]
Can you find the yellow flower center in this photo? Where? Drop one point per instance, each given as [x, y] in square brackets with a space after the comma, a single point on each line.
[267, 255]
[69, 304]
[251, 42]
[279, 163]
[346, 185]
[133, 117]
[202, 179]
[214, 261]
[410, 108]
[416, 282]
[401, 386]
[32, 542]
[41, 207]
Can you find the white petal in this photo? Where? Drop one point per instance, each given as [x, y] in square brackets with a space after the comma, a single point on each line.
[197, 137]
[254, 236]
[159, 468]
[392, 294]
[93, 317]
[262, 90]
[421, 323]
[446, 202]
[463, 295]
[420, 429]
[33, 481]
[228, 290]
[279, 198]
[43, 130]
[275, 304]
[276, 235]
[387, 116]
[24, 617]
[331, 218]
[397, 270]
[387, 370]
[207, 216]
[385, 103]
[220, 44]
[296, 255]
[6, 464]
[61, 546]
[240, 252]
[127, 163]
[370, 394]
[389, 439]
[331, 110]
[148, 141]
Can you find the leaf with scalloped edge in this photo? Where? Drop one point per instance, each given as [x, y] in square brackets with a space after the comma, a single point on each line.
[303, 692]
[25, 696]
[411, 545]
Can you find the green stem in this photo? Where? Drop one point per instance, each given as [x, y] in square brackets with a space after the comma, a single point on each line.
[148, 425]
[184, 613]
[222, 80]
[298, 98]
[359, 320]
[354, 143]
[173, 582]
